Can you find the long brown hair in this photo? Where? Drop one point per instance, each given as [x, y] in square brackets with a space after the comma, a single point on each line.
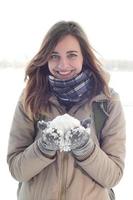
[37, 93]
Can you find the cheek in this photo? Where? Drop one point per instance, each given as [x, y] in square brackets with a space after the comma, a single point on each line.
[79, 65]
[50, 66]
[79, 69]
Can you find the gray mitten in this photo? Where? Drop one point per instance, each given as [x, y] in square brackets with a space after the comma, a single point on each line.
[86, 122]
[50, 139]
[80, 142]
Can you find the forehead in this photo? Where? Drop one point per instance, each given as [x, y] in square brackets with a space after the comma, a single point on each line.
[68, 42]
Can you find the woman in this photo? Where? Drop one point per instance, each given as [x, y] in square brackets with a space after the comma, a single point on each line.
[66, 78]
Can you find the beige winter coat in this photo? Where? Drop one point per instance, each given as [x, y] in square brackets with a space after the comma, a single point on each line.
[64, 177]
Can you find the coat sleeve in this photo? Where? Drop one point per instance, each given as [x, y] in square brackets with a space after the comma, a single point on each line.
[106, 164]
[24, 158]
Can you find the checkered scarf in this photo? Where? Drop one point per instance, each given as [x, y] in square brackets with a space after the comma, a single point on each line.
[72, 90]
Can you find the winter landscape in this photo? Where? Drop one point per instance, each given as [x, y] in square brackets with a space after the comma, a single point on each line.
[11, 84]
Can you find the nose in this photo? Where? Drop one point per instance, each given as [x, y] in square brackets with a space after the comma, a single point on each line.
[63, 64]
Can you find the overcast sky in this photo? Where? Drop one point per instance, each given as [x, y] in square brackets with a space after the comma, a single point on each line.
[108, 24]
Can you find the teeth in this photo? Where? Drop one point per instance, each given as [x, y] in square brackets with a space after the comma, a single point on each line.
[64, 73]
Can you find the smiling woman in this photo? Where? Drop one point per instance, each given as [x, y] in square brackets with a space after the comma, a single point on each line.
[55, 150]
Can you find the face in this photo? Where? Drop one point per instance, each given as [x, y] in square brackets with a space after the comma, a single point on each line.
[66, 59]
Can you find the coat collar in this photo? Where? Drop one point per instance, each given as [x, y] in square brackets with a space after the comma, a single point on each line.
[98, 98]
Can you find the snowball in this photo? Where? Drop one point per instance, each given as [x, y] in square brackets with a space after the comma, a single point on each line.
[64, 122]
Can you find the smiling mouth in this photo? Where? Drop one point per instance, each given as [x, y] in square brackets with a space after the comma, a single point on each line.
[65, 73]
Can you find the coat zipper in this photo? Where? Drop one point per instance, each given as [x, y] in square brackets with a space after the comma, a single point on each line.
[62, 177]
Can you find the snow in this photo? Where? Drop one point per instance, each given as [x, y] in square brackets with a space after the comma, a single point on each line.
[11, 84]
[65, 122]
[63, 125]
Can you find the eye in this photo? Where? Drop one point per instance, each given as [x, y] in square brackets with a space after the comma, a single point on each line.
[54, 57]
[72, 55]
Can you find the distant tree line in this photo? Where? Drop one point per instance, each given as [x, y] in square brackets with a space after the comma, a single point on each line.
[11, 64]
[113, 65]
[119, 65]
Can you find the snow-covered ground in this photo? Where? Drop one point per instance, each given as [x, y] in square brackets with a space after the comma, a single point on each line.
[11, 84]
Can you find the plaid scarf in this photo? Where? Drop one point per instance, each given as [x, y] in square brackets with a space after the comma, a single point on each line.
[72, 90]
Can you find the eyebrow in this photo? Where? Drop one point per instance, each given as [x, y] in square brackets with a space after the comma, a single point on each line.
[71, 51]
[55, 52]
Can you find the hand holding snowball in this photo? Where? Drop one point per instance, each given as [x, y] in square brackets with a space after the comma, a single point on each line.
[64, 133]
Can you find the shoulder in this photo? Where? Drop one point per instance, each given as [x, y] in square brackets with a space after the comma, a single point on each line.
[113, 94]
[111, 103]
[114, 97]
[114, 105]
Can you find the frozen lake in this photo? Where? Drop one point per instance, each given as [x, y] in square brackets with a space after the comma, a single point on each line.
[11, 84]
